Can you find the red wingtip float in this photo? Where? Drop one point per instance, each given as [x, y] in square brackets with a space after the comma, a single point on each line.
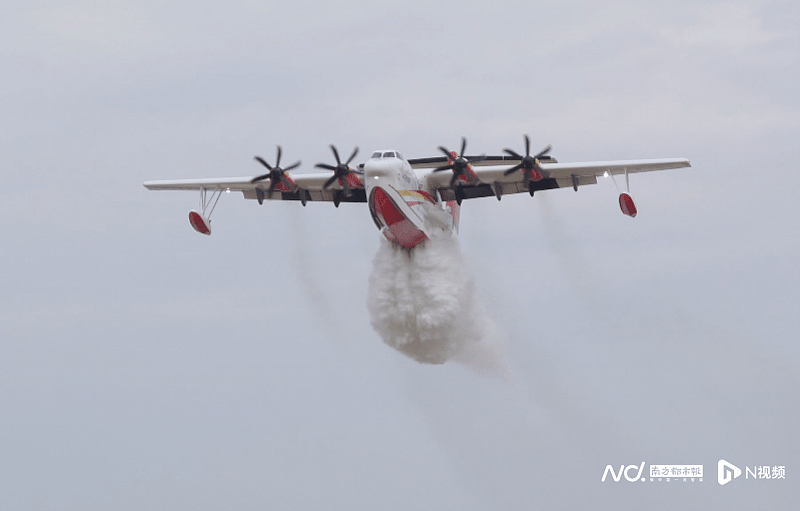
[200, 223]
[626, 204]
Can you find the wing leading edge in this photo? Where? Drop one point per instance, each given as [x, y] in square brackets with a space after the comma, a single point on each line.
[311, 187]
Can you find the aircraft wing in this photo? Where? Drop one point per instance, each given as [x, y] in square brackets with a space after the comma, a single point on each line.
[308, 187]
[493, 181]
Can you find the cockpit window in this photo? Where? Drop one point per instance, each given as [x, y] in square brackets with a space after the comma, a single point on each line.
[386, 154]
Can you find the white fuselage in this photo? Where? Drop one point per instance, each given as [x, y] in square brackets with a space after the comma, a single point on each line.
[403, 209]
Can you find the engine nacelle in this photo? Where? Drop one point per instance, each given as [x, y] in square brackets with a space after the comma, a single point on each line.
[200, 223]
[626, 204]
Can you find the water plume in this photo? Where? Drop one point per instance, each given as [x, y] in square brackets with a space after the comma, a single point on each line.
[422, 303]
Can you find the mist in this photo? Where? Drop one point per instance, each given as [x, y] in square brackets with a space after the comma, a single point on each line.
[423, 303]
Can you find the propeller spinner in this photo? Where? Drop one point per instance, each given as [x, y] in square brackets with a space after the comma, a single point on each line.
[459, 163]
[340, 171]
[530, 164]
[275, 175]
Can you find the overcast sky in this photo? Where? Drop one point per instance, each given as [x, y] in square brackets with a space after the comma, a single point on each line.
[144, 366]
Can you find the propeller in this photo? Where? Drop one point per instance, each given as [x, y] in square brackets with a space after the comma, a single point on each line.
[459, 163]
[340, 171]
[276, 174]
[529, 163]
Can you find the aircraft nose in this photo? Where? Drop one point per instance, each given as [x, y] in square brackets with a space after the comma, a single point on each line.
[376, 169]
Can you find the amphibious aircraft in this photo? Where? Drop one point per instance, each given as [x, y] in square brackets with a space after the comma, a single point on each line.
[413, 200]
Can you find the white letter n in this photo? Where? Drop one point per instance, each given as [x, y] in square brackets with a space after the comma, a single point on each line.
[614, 476]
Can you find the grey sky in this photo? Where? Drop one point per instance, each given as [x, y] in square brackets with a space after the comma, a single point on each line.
[143, 366]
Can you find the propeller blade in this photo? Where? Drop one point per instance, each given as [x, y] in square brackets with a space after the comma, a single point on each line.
[527, 145]
[262, 176]
[463, 145]
[355, 152]
[453, 180]
[260, 160]
[445, 151]
[336, 154]
[512, 153]
[278, 159]
[291, 167]
[329, 182]
[544, 151]
[512, 169]
[446, 167]
[325, 166]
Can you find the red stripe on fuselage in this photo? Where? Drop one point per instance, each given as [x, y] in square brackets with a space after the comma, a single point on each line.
[400, 229]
